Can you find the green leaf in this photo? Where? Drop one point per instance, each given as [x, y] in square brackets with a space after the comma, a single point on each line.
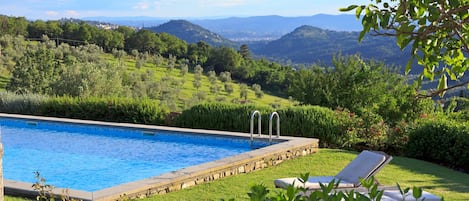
[304, 177]
[422, 21]
[358, 11]
[451, 74]
[349, 8]
[443, 84]
[417, 192]
[403, 40]
[384, 20]
[408, 66]
[361, 36]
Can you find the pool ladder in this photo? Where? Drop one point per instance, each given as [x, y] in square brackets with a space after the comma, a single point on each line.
[259, 124]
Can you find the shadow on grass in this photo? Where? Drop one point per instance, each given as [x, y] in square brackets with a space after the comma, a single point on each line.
[444, 178]
[421, 174]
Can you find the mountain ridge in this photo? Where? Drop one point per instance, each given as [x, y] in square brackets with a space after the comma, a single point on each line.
[253, 28]
[308, 44]
[192, 33]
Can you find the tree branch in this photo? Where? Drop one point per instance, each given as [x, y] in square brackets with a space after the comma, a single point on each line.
[437, 92]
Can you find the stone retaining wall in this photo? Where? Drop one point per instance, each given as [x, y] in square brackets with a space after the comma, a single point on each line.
[238, 167]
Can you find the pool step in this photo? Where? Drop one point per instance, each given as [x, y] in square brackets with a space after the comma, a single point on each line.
[31, 123]
[148, 133]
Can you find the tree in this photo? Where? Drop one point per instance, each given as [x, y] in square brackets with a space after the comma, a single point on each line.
[171, 63]
[358, 86]
[225, 77]
[184, 69]
[257, 90]
[436, 31]
[212, 77]
[144, 41]
[243, 91]
[198, 53]
[197, 83]
[224, 59]
[172, 45]
[35, 72]
[37, 28]
[198, 70]
[244, 51]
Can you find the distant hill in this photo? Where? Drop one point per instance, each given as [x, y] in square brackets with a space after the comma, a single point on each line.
[192, 33]
[248, 28]
[273, 27]
[308, 44]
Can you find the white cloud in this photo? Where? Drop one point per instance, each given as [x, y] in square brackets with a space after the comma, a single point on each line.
[143, 5]
[52, 13]
[218, 3]
[72, 13]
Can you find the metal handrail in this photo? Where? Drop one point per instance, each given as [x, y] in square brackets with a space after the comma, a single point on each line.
[272, 115]
[258, 123]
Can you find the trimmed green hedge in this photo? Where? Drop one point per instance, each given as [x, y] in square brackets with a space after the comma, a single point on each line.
[303, 121]
[441, 141]
[314, 121]
[222, 116]
[143, 111]
[21, 104]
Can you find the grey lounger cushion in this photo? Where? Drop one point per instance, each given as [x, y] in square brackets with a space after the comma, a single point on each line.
[396, 195]
[366, 164]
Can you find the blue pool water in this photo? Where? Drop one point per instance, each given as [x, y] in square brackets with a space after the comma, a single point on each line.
[91, 158]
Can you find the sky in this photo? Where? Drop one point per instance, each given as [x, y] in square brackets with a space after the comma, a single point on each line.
[56, 9]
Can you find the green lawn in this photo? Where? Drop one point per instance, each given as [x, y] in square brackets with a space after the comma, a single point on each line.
[452, 185]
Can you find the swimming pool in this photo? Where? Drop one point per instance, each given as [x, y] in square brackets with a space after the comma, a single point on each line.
[92, 157]
[131, 160]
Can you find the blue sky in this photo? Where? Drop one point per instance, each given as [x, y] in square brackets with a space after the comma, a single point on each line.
[56, 9]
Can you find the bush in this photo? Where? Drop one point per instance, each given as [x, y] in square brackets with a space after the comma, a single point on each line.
[441, 141]
[222, 116]
[143, 111]
[457, 104]
[356, 84]
[315, 121]
[21, 103]
[302, 121]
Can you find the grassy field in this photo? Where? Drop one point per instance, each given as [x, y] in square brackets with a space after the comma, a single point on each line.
[187, 89]
[452, 185]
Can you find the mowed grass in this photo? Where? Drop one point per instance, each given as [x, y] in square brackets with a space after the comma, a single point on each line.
[442, 181]
[439, 180]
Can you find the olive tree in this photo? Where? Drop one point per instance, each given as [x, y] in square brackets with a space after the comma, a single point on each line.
[437, 31]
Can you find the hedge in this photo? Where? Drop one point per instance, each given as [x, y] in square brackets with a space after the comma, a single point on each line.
[302, 121]
[222, 116]
[143, 111]
[441, 141]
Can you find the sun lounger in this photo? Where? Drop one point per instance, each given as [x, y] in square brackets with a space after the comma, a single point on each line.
[365, 165]
[396, 195]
